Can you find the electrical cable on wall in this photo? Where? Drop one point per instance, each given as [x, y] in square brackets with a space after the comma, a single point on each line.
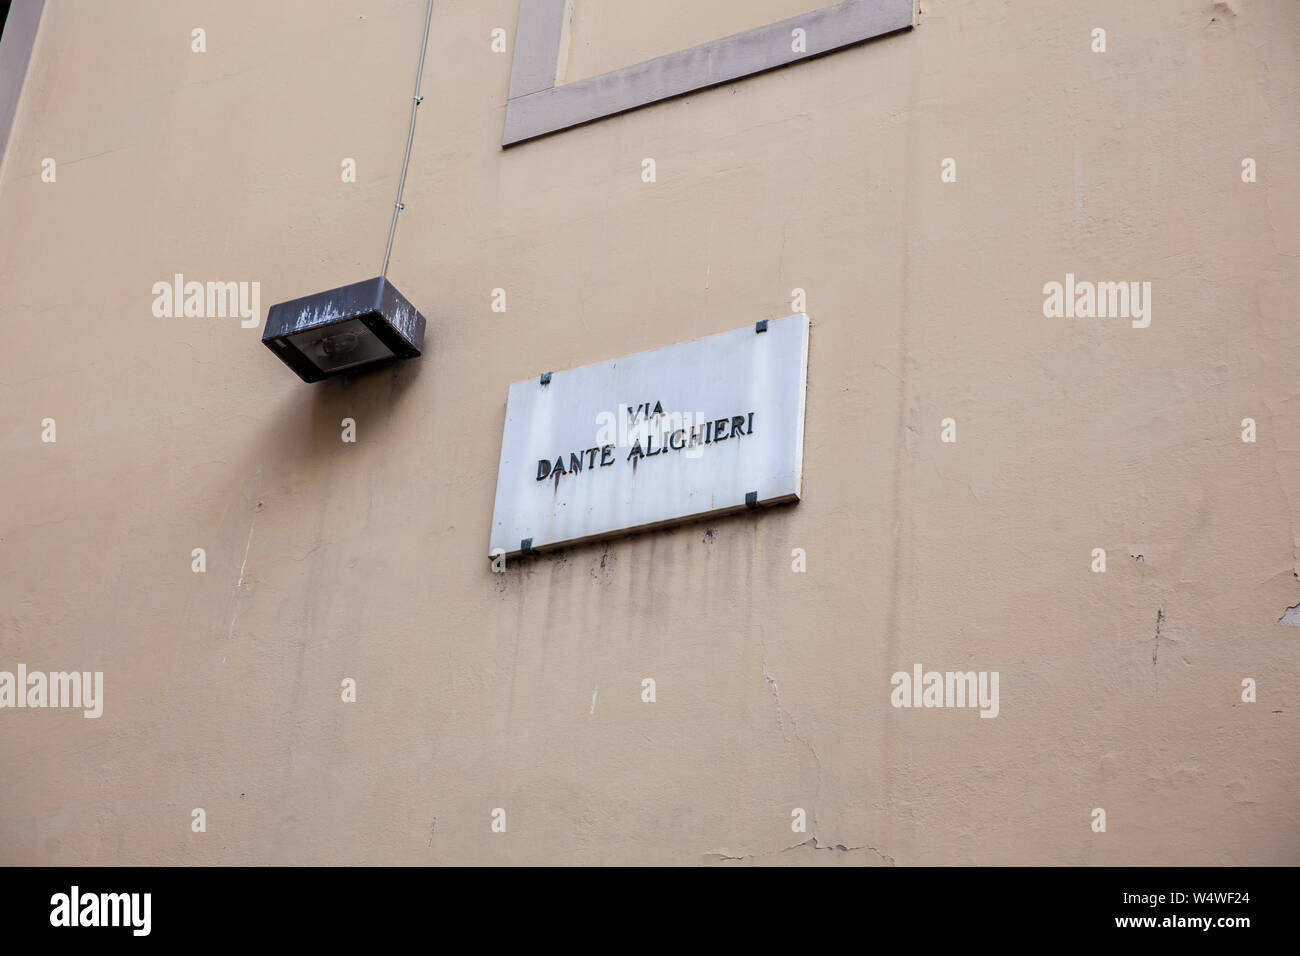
[359, 326]
[416, 100]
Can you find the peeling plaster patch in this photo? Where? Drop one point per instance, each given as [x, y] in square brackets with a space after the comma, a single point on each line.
[1292, 616]
[812, 844]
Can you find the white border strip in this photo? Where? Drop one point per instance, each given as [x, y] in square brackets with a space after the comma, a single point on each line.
[15, 56]
[537, 106]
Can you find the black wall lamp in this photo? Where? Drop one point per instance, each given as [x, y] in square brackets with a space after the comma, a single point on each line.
[355, 326]
[343, 329]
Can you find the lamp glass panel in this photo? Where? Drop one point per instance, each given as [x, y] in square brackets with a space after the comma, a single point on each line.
[342, 345]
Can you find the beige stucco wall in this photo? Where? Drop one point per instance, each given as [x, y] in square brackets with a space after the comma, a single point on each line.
[476, 690]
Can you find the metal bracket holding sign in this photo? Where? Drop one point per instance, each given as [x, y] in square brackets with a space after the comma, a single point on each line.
[675, 434]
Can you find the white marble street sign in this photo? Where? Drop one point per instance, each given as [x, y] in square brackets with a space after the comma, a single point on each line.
[694, 429]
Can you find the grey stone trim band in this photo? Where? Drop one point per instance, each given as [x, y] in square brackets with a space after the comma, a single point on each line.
[15, 53]
[538, 106]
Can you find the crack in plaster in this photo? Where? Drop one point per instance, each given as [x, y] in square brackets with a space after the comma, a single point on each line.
[234, 616]
[811, 843]
[794, 729]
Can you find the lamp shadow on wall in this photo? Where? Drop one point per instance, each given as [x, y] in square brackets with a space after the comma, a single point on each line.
[307, 431]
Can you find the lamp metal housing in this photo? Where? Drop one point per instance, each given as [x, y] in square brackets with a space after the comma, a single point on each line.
[343, 330]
